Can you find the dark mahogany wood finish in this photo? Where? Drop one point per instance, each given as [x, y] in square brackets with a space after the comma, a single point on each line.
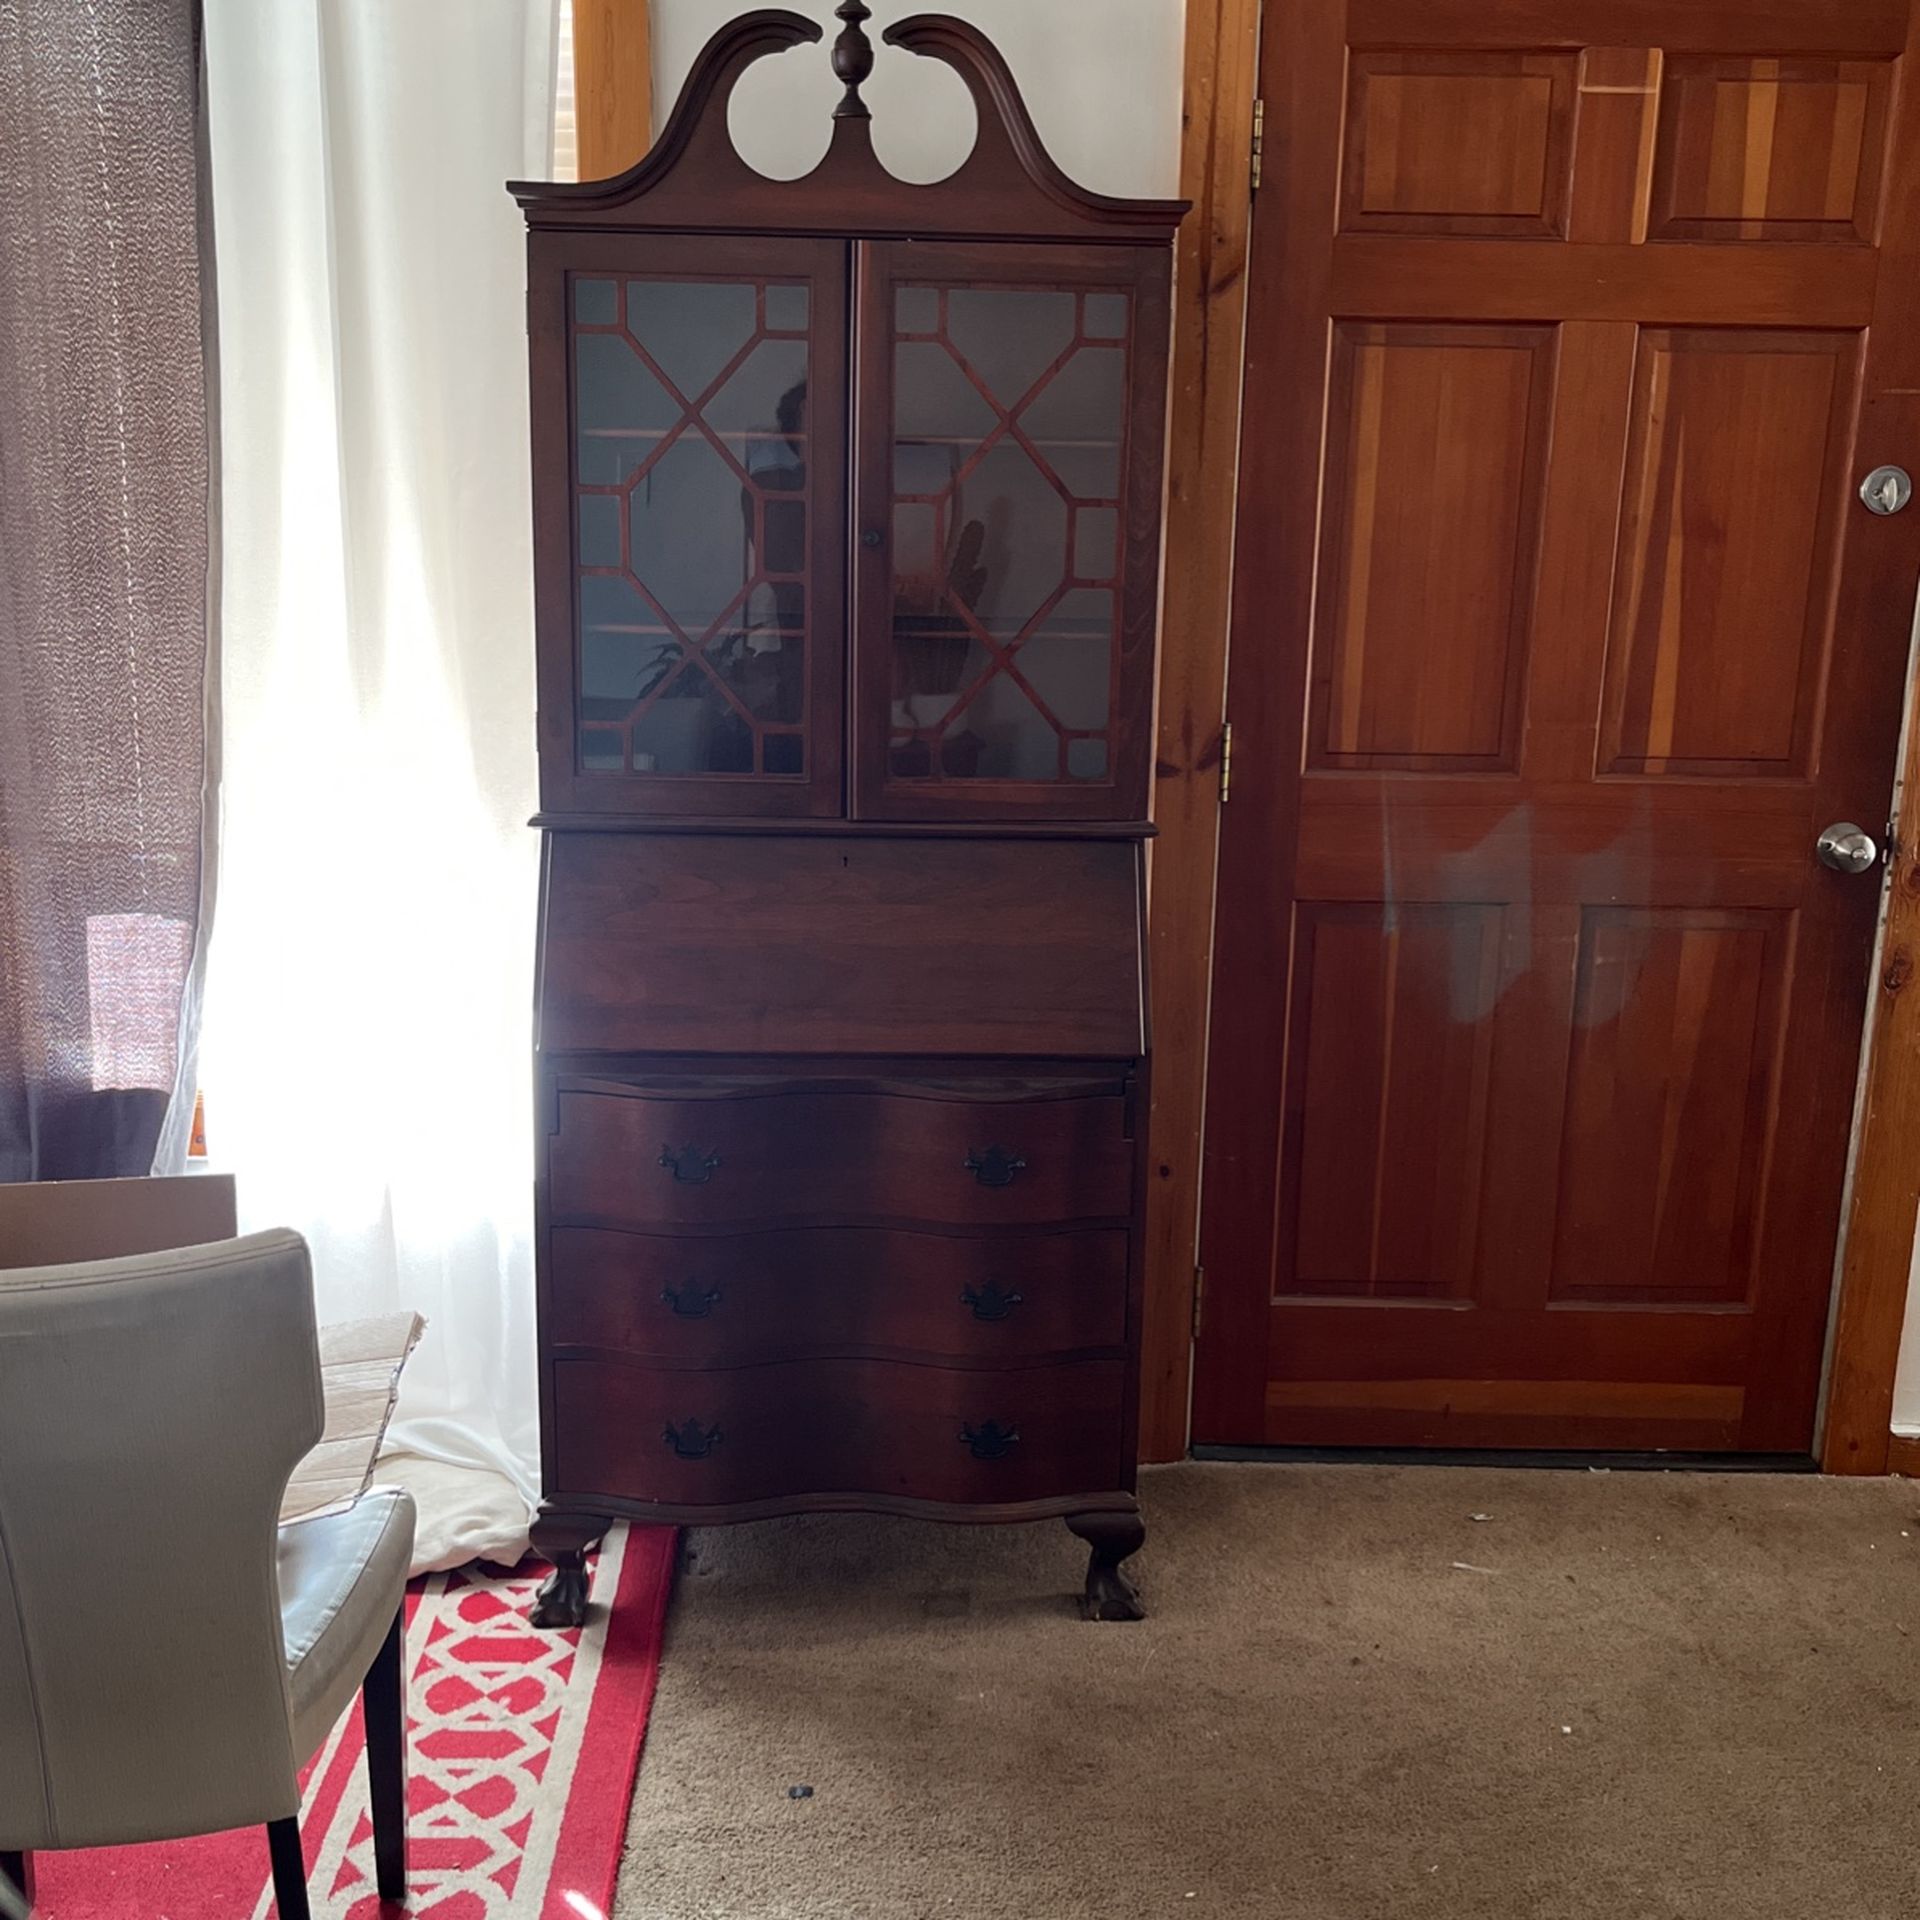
[631, 1158]
[883, 1293]
[704, 1441]
[857, 946]
[847, 558]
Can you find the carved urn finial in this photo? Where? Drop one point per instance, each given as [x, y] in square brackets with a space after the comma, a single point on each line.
[853, 57]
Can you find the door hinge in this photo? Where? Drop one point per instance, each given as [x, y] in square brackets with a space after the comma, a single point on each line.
[1259, 141]
[1199, 1298]
[1226, 763]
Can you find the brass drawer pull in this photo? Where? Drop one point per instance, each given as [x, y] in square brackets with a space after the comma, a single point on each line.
[991, 1441]
[990, 1302]
[690, 1440]
[689, 1303]
[994, 1166]
[689, 1165]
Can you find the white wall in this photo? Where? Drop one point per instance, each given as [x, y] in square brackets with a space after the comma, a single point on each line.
[1102, 79]
[1906, 1380]
[1906, 1387]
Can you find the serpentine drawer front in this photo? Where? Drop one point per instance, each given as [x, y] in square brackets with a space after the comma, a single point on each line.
[696, 1300]
[820, 1427]
[644, 1161]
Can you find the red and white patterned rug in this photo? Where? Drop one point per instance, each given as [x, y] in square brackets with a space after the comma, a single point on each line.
[521, 1762]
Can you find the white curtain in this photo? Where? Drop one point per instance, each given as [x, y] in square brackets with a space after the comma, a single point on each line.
[365, 1058]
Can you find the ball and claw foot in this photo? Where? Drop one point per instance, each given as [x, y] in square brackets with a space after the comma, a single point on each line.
[564, 1538]
[1110, 1594]
[562, 1599]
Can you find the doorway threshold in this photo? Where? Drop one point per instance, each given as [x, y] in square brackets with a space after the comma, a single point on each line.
[1565, 1460]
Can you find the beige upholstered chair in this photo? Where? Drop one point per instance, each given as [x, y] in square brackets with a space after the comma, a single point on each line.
[169, 1658]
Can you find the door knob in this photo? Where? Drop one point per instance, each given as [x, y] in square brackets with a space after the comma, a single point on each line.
[1846, 848]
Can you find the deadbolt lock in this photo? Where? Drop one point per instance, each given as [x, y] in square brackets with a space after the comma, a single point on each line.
[1886, 489]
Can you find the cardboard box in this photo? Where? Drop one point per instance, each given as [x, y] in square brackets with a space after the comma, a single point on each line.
[47, 1223]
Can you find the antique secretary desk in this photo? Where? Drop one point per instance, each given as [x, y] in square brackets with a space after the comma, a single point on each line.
[847, 537]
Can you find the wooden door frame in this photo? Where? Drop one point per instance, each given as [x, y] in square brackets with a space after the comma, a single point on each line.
[612, 84]
[1876, 1249]
[1875, 1257]
[1203, 451]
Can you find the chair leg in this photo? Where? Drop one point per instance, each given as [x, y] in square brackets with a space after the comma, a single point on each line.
[16, 1869]
[385, 1696]
[289, 1869]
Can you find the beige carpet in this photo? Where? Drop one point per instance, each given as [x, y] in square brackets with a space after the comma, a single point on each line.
[1640, 1696]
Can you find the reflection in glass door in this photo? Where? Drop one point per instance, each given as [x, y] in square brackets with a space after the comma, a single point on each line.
[1003, 590]
[707, 588]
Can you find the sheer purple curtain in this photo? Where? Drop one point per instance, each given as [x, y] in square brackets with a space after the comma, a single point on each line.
[104, 543]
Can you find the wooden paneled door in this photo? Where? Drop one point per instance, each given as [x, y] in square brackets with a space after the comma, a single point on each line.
[1560, 634]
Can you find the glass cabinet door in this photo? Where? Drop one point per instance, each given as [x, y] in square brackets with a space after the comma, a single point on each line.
[1006, 574]
[706, 488]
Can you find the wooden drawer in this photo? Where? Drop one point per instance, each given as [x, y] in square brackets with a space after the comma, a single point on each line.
[860, 1427]
[703, 1301]
[644, 1160]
